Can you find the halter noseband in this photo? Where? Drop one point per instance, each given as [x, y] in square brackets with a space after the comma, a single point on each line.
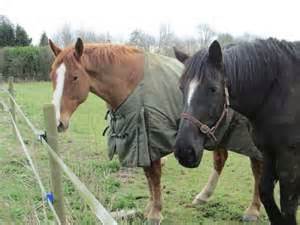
[205, 129]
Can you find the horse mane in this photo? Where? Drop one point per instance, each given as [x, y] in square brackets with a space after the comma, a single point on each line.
[99, 54]
[248, 63]
[258, 62]
[109, 53]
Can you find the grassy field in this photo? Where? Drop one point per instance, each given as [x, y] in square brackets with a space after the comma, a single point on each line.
[84, 149]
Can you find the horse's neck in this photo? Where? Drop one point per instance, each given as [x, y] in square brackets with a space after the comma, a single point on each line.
[247, 96]
[114, 83]
[260, 71]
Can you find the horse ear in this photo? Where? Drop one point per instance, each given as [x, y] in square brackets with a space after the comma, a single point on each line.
[55, 49]
[215, 53]
[181, 56]
[78, 48]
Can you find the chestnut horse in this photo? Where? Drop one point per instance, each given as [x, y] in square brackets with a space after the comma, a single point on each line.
[112, 72]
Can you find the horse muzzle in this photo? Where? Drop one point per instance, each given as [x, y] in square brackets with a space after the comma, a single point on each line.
[187, 155]
[62, 126]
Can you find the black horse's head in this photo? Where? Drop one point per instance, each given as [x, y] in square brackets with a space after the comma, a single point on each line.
[204, 94]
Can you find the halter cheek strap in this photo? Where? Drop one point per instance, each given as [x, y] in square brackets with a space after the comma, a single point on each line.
[205, 129]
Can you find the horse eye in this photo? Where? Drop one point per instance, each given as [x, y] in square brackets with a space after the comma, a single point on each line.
[181, 88]
[75, 78]
[212, 89]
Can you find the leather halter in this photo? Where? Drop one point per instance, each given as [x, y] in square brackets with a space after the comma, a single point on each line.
[205, 129]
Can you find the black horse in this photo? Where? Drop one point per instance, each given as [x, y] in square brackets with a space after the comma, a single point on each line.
[261, 80]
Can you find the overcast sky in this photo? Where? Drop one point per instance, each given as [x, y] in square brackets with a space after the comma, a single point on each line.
[265, 18]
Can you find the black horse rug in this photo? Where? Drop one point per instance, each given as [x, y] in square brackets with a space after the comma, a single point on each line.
[144, 127]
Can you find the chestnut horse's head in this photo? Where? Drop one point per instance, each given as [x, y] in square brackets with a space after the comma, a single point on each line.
[71, 83]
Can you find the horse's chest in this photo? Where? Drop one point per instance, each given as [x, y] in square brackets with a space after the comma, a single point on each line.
[274, 137]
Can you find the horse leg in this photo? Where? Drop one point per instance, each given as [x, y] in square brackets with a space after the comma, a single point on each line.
[252, 212]
[288, 202]
[163, 161]
[288, 174]
[219, 156]
[266, 189]
[150, 203]
[153, 174]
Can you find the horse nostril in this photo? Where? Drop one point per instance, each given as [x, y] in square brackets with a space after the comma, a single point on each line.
[190, 155]
[185, 154]
[60, 127]
[189, 151]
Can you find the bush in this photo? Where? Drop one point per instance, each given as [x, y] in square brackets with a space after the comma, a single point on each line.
[26, 63]
[1, 59]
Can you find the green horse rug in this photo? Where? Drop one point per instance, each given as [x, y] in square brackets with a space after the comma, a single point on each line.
[144, 127]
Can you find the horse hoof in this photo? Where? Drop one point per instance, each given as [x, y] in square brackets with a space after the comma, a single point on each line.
[153, 221]
[198, 201]
[163, 161]
[250, 218]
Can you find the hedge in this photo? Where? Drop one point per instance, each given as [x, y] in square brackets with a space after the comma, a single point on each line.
[26, 63]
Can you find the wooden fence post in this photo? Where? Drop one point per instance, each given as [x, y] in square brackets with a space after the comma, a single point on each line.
[12, 104]
[1, 83]
[56, 177]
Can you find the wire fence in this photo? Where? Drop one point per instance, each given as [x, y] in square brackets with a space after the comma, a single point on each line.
[34, 170]
[96, 207]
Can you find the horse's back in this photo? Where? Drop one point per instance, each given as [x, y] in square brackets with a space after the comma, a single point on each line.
[161, 78]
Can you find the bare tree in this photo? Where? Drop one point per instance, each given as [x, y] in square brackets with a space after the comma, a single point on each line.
[90, 36]
[192, 46]
[167, 40]
[108, 37]
[206, 34]
[141, 39]
[65, 36]
[225, 38]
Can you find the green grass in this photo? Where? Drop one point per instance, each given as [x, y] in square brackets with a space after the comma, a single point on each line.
[84, 149]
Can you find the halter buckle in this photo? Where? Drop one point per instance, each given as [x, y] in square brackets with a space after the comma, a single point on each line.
[205, 129]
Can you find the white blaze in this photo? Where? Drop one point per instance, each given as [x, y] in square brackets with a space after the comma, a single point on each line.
[192, 87]
[58, 92]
